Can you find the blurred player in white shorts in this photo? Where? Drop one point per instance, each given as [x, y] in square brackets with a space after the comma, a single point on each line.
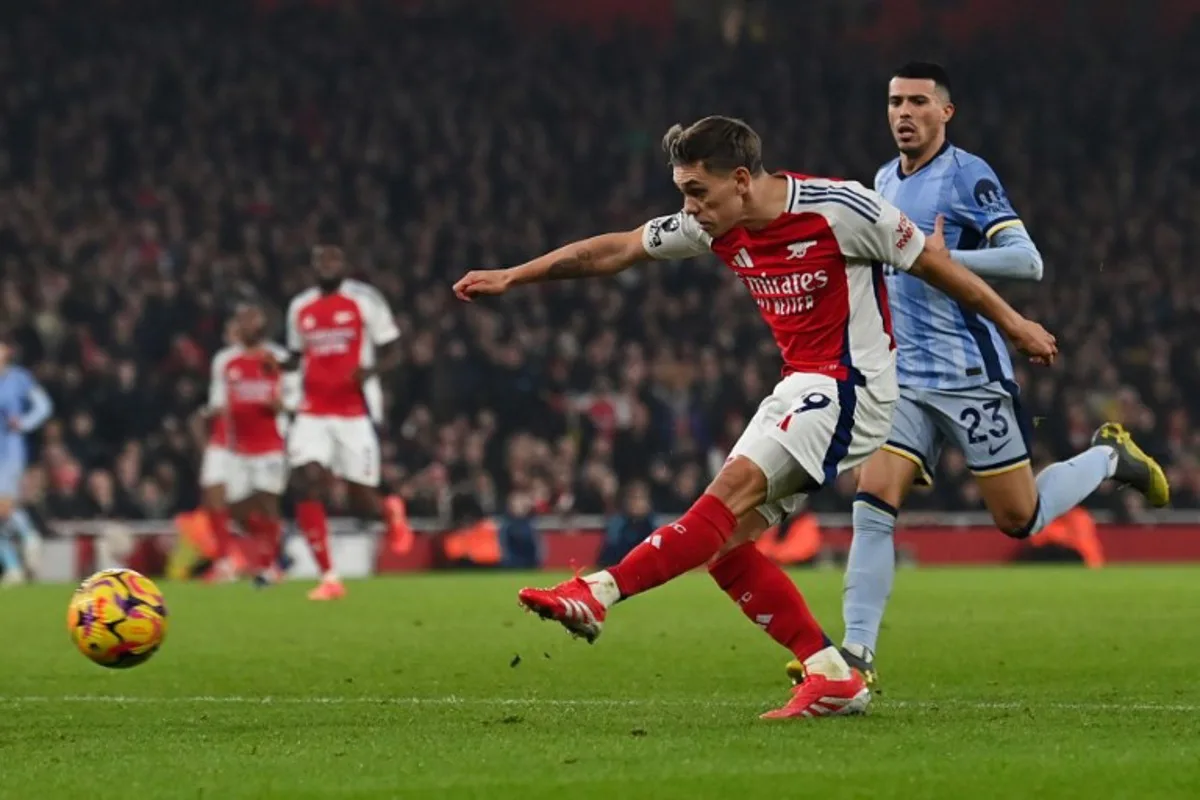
[342, 336]
[215, 469]
[246, 388]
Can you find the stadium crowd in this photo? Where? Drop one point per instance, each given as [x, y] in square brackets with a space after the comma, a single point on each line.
[153, 170]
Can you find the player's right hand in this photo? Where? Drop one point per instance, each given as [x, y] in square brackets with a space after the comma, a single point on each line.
[482, 283]
[1034, 341]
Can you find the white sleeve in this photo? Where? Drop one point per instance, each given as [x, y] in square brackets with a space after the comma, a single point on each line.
[377, 316]
[675, 236]
[218, 391]
[870, 228]
[291, 390]
[295, 342]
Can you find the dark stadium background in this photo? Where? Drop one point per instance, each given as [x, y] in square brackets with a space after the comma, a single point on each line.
[160, 160]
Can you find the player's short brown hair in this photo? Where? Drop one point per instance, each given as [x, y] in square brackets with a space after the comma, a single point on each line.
[721, 144]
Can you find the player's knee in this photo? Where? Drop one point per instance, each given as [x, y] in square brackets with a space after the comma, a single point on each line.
[1017, 522]
[308, 480]
[741, 486]
[886, 477]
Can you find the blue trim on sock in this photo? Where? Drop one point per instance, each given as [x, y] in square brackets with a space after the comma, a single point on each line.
[877, 504]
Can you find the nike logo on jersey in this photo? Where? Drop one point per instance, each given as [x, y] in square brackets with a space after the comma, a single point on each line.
[993, 450]
[798, 249]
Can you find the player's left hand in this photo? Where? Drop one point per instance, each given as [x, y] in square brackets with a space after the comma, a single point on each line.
[14, 424]
[937, 240]
[1034, 341]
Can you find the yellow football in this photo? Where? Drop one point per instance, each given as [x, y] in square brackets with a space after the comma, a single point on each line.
[117, 618]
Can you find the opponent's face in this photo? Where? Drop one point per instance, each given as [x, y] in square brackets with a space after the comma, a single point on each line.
[252, 323]
[329, 263]
[917, 113]
[716, 201]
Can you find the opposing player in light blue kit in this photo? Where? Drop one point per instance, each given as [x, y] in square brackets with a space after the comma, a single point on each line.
[24, 406]
[956, 379]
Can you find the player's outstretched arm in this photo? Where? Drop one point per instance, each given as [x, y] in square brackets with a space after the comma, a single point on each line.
[606, 254]
[935, 267]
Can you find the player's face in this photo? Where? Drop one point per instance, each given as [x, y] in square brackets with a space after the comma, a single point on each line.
[917, 113]
[330, 265]
[716, 201]
[252, 323]
[232, 332]
[5, 355]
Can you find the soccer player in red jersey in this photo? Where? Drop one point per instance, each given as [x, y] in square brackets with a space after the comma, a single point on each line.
[811, 253]
[246, 386]
[342, 336]
[214, 471]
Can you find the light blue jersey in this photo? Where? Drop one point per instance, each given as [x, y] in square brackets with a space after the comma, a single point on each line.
[24, 405]
[940, 344]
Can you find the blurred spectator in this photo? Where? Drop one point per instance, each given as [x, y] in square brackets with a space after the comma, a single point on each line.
[520, 544]
[159, 160]
[633, 525]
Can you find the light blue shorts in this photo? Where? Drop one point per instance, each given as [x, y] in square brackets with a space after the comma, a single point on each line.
[985, 422]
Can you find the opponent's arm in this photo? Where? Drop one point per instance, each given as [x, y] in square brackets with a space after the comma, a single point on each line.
[880, 232]
[1012, 254]
[935, 267]
[40, 408]
[606, 254]
[979, 202]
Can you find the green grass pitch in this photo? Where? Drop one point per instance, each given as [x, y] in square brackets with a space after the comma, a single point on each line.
[999, 683]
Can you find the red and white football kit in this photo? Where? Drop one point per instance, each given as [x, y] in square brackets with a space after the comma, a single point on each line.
[816, 273]
[214, 466]
[246, 384]
[336, 334]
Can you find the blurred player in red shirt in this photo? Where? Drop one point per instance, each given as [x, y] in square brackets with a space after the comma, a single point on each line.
[342, 336]
[246, 386]
[214, 471]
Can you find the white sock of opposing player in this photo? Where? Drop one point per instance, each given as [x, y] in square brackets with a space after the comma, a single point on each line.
[1064, 485]
[870, 570]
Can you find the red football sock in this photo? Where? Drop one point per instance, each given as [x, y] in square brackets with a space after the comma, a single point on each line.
[769, 598]
[218, 523]
[265, 534]
[310, 517]
[676, 548]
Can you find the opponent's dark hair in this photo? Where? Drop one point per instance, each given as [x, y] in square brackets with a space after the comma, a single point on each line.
[721, 144]
[927, 71]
